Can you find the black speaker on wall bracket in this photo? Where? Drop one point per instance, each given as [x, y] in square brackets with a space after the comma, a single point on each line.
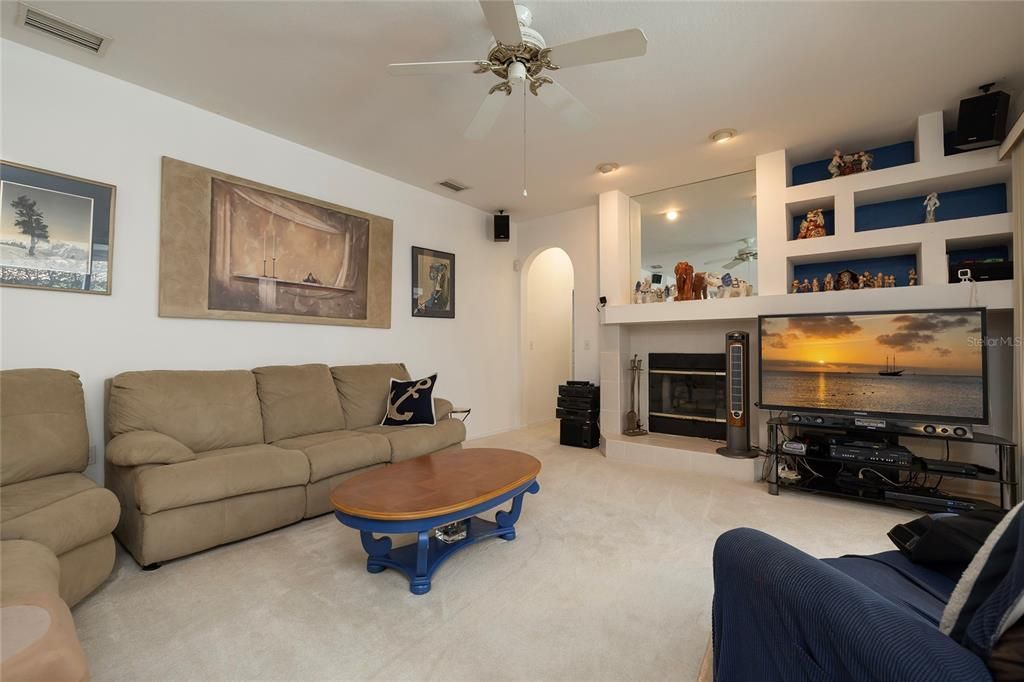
[981, 120]
[502, 227]
[737, 397]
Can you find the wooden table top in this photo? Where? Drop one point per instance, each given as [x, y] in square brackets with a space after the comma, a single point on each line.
[435, 484]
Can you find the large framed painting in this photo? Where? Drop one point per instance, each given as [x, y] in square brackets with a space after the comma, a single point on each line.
[232, 249]
[433, 283]
[56, 230]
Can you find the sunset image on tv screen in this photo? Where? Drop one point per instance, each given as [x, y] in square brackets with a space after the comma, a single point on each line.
[921, 363]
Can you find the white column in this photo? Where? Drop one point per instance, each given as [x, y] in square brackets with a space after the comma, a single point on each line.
[613, 246]
[772, 172]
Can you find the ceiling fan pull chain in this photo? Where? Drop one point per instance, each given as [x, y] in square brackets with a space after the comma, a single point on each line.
[524, 140]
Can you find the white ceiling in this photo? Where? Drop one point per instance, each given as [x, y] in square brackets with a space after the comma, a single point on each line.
[783, 74]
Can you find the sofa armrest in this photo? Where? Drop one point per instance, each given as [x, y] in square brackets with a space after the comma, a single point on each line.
[781, 614]
[146, 447]
[442, 408]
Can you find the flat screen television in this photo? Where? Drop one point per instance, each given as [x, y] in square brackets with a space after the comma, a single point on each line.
[916, 365]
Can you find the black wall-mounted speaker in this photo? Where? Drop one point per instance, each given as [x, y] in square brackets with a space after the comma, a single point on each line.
[737, 396]
[981, 121]
[502, 228]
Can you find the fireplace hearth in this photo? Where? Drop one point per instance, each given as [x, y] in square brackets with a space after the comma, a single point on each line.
[687, 394]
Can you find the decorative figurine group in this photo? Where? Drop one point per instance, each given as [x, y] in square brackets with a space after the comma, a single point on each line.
[848, 164]
[692, 286]
[848, 279]
[813, 225]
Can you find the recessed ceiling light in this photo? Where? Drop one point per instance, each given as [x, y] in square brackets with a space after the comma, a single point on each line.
[723, 135]
[606, 168]
[672, 216]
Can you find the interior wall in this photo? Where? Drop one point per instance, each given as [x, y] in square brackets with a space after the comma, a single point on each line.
[66, 118]
[548, 333]
[575, 232]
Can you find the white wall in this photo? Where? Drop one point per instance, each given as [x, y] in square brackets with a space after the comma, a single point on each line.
[66, 118]
[575, 232]
[547, 327]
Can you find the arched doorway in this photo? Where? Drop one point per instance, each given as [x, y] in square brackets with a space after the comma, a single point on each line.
[547, 332]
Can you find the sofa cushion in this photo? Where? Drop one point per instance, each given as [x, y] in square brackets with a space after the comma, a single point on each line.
[219, 474]
[412, 441]
[297, 400]
[411, 403]
[442, 408]
[338, 452]
[146, 447]
[44, 431]
[203, 410]
[62, 512]
[28, 568]
[364, 391]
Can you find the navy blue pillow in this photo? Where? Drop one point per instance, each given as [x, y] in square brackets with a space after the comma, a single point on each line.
[411, 403]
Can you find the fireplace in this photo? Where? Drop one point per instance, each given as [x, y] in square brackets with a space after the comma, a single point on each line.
[687, 394]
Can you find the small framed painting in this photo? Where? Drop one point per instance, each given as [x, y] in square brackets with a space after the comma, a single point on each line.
[433, 283]
[56, 231]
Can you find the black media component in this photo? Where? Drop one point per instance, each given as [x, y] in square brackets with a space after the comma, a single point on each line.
[579, 405]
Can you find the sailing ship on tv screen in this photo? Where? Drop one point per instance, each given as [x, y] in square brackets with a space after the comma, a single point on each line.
[907, 364]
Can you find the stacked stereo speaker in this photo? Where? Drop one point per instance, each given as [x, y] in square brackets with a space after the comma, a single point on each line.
[579, 407]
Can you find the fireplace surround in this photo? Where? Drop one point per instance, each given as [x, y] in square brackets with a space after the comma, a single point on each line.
[686, 394]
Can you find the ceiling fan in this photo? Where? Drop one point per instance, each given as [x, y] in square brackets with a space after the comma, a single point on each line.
[518, 56]
[744, 254]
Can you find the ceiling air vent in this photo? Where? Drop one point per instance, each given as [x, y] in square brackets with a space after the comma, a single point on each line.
[453, 185]
[58, 28]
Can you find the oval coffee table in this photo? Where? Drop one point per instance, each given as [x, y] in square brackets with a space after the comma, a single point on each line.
[433, 491]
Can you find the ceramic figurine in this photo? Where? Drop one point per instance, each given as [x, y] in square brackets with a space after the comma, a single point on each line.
[813, 225]
[847, 279]
[796, 286]
[931, 202]
[684, 281]
[879, 281]
[714, 284]
[890, 281]
[815, 285]
[867, 281]
[805, 286]
[829, 282]
[636, 293]
[645, 291]
[738, 288]
[848, 164]
[912, 277]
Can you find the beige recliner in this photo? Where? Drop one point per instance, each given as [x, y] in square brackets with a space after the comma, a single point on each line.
[198, 459]
[45, 498]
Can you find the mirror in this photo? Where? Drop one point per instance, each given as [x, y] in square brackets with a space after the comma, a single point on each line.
[712, 225]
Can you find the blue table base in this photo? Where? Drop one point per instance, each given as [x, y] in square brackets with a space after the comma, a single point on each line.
[418, 560]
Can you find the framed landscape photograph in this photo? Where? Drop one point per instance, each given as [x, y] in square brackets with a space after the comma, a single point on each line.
[56, 230]
[433, 283]
[238, 250]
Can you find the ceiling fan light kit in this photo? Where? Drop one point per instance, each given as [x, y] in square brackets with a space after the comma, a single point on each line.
[518, 56]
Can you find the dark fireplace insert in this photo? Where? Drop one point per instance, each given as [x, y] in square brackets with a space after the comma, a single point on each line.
[687, 394]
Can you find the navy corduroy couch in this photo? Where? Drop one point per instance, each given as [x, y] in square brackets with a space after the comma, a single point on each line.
[781, 614]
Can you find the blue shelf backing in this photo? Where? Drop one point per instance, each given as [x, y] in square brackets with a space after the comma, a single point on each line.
[830, 223]
[889, 265]
[898, 154]
[963, 203]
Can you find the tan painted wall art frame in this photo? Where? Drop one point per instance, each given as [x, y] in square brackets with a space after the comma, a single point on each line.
[232, 249]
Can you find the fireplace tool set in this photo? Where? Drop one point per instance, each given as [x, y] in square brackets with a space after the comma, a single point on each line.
[634, 427]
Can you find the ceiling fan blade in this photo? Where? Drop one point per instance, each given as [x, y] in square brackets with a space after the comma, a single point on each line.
[733, 263]
[431, 68]
[603, 48]
[568, 108]
[486, 116]
[502, 20]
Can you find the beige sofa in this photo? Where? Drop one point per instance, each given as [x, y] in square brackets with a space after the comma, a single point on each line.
[55, 524]
[198, 459]
[44, 497]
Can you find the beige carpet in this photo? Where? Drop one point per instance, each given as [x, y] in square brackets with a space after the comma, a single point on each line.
[609, 578]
